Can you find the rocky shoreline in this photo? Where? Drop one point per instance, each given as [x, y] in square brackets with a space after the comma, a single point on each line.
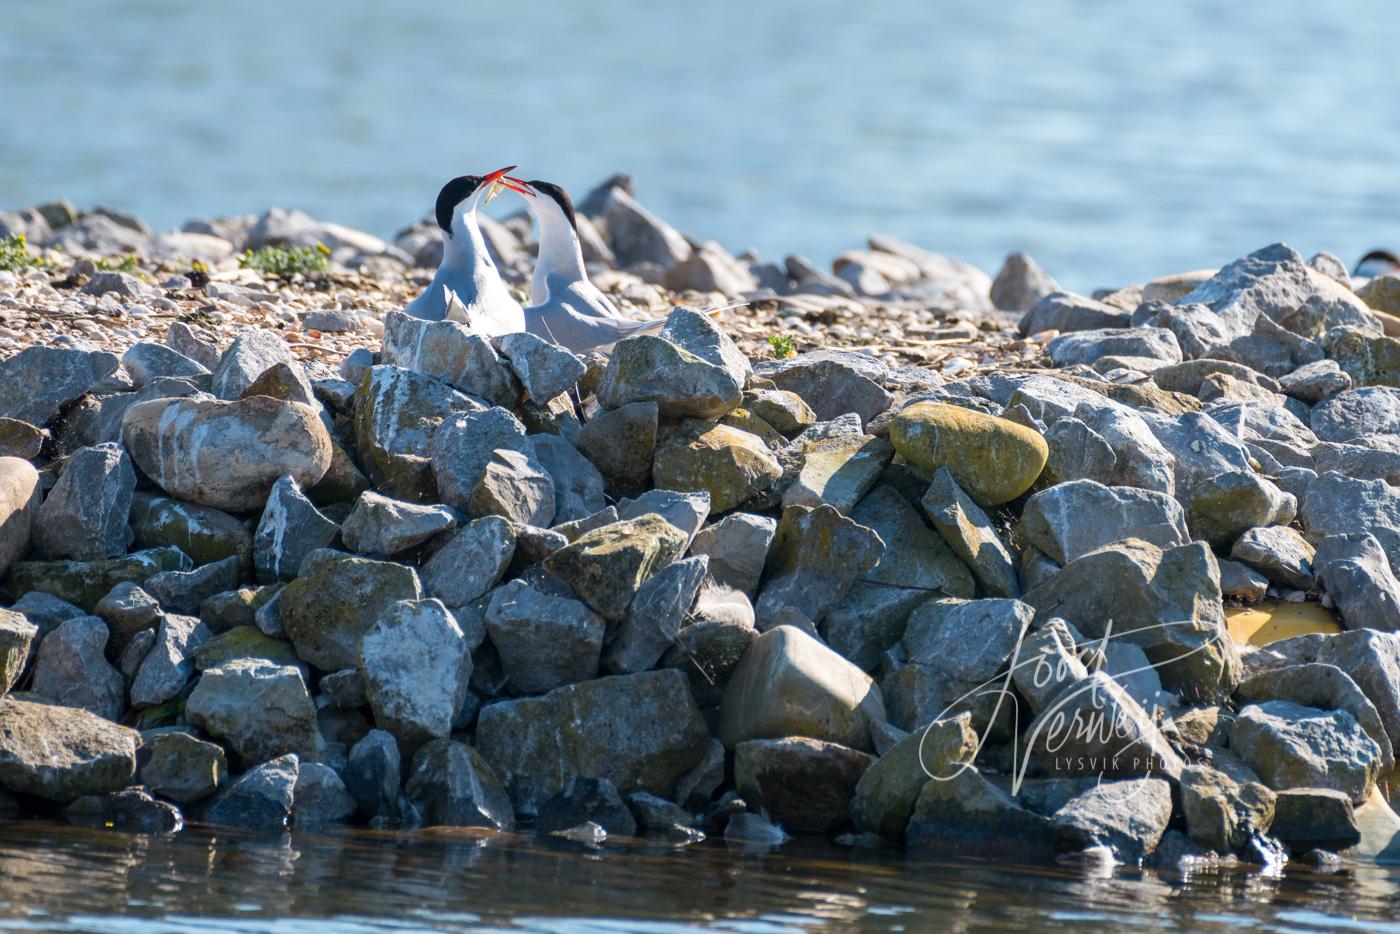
[899, 551]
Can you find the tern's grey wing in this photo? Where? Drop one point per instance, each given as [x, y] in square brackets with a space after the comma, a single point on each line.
[581, 333]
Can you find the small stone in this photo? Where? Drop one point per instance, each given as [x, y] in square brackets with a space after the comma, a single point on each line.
[184, 591]
[1066, 311]
[247, 358]
[737, 547]
[1283, 555]
[832, 382]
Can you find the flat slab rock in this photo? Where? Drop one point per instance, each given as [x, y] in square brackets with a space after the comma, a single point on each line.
[62, 753]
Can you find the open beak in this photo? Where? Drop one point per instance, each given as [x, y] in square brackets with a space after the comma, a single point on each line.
[498, 180]
[518, 186]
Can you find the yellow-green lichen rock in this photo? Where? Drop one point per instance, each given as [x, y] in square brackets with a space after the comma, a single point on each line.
[887, 791]
[728, 463]
[607, 565]
[993, 459]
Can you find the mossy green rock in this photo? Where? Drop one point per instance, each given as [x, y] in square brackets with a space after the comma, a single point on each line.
[993, 459]
[61, 753]
[84, 583]
[1382, 293]
[244, 642]
[397, 412]
[888, 790]
[642, 732]
[745, 420]
[728, 463]
[607, 565]
[335, 600]
[1369, 359]
[202, 532]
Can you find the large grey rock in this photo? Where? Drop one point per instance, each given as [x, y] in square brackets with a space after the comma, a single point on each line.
[1072, 519]
[1314, 382]
[180, 766]
[544, 368]
[914, 556]
[186, 591]
[710, 269]
[968, 814]
[72, 669]
[147, 361]
[378, 525]
[970, 534]
[1084, 347]
[1094, 727]
[1279, 552]
[737, 547]
[802, 784]
[1221, 813]
[38, 381]
[451, 352]
[578, 486]
[290, 528]
[888, 790]
[515, 486]
[61, 753]
[838, 471]
[451, 784]
[226, 454]
[789, 684]
[544, 641]
[687, 371]
[621, 444]
[1358, 576]
[205, 534]
[1128, 817]
[1322, 686]
[1358, 414]
[815, 557]
[587, 801]
[462, 448]
[259, 799]
[319, 795]
[336, 599]
[85, 583]
[20, 497]
[606, 566]
[1066, 311]
[1335, 504]
[832, 382]
[686, 511]
[259, 709]
[727, 464]
[1166, 602]
[1292, 746]
[1047, 663]
[471, 562]
[85, 514]
[654, 618]
[638, 236]
[1020, 284]
[372, 774]
[170, 661]
[416, 665]
[641, 732]
[1222, 508]
[397, 414]
[248, 357]
[1314, 818]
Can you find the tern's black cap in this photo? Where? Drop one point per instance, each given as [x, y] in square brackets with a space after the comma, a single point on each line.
[453, 194]
[561, 198]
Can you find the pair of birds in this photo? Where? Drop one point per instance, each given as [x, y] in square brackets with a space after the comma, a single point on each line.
[566, 308]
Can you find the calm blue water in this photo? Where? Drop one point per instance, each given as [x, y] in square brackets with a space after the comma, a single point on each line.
[1113, 141]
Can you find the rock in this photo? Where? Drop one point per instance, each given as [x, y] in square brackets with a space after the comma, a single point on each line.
[245, 643]
[85, 514]
[659, 816]
[1227, 505]
[914, 556]
[451, 352]
[887, 791]
[20, 497]
[967, 814]
[206, 535]
[378, 525]
[61, 753]
[38, 381]
[650, 368]
[17, 635]
[737, 547]
[131, 809]
[464, 445]
[1358, 414]
[708, 652]
[1072, 519]
[170, 661]
[838, 471]
[993, 459]
[1094, 727]
[1166, 602]
[585, 800]
[1320, 686]
[72, 669]
[1047, 663]
[20, 439]
[147, 361]
[259, 709]
[641, 732]
[544, 368]
[969, 533]
[185, 591]
[1292, 746]
[638, 236]
[1238, 582]
[319, 795]
[728, 464]
[789, 684]
[578, 486]
[1127, 817]
[515, 486]
[1067, 312]
[1283, 555]
[371, 774]
[284, 381]
[250, 355]
[226, 454]
[1223, 814]
[84, 583]
[452, 785]
[180, 767]
[544, 641]
[1367, 359]
[336, 599]
[416, 664]
[965, 642]
[181, 338]
[1078, 348]
[471, 563]
[1314, 382]
[803, 784]
[1020, 284]
[290, 528]
[606, 566]
[259, 799]
[1357, 575]
[1335, 504]
[816, 555]
[397, 415]
[1314, 818]
[654, 618]
[832, 382]
[620, 443]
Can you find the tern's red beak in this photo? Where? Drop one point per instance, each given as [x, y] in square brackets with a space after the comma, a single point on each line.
[518, 186]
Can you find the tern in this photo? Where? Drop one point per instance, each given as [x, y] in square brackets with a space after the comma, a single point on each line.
[567, 308]
[467, 270]
[1374, 263]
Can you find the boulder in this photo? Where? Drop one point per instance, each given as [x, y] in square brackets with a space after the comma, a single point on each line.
[260, 710]
[1314, 818]
[606, 566]
[1073, 519]
[17, 636]
[587, 801]
[515, 486]
[319, 796]
[1222, 508]
[737, 547]
[416, 664]
[336, 599]
[1127, 817]
[727, 464]
[451, 784]
[131, 809]
[544, 368]
[179, 766]
[966, 814]
[451, 352]
[544, 641]
[1078, 348]
[621, 443]
[397, 414]
[61, 753]
[682, 383]
[250, 355]
[1221, 813]
[1020, 284]
[471, 562]
[372, 775]
[815, 557]
[85, 514]
[259, 799]
[993, 459]
[20, 497]
[1324, 687]
[169, 662]
[969, 533]
[206, 535]
[654, 617]
[84, 583]
[38, 381]
[578, 486]
[838, 471]
[72, 669]
[290, 528]
[887, 791]
[378, 525]
[832, 383]
[1094, 727]
[1292, 746]
[1358, 576]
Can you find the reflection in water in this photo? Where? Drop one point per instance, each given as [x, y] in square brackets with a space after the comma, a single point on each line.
[59, 878]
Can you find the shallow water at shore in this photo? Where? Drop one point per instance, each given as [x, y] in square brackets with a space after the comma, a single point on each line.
[55, 877]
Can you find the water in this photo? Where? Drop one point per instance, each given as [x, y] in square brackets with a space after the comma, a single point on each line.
[59, 878]
[1115, 142]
